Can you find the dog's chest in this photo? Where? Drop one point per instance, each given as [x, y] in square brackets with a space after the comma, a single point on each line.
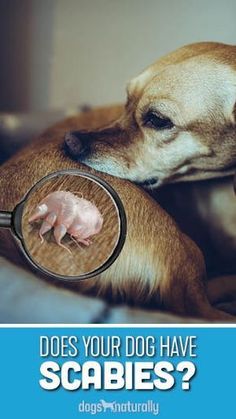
[206, 211]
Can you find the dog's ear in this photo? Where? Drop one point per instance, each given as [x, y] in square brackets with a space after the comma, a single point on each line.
[137, 84]
[230, 105]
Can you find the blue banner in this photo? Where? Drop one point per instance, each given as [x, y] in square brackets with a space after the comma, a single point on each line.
[161, 372]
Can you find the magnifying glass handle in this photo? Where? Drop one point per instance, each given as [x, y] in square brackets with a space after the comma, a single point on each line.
[5, 219]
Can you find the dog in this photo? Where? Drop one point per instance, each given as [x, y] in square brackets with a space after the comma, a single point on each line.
[178, 125]
[159, 265]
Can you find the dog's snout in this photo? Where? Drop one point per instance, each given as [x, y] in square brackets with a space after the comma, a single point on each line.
[77, 144]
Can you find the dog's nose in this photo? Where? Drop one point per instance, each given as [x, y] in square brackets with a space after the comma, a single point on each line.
[77, 144]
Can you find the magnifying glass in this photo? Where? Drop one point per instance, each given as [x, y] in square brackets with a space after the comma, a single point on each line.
[71, 225]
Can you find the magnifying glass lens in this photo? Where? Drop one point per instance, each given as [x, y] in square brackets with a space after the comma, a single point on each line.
[72, 226]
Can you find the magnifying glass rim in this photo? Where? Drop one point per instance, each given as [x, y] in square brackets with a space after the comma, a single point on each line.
[17, 219]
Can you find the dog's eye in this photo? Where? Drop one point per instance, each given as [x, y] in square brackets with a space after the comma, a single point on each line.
[157, 121]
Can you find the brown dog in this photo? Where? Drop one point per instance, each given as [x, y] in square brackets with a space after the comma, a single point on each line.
[179, 124]
[159, 265]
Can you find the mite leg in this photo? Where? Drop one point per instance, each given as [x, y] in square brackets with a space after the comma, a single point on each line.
[59, 232]
[73, 239]
[40, 212]
[86, 242]
[47, 224]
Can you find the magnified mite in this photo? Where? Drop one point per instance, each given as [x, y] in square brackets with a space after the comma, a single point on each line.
[66, 213]
[71, 206]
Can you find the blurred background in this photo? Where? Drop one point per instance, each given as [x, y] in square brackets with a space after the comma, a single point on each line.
[60, 53]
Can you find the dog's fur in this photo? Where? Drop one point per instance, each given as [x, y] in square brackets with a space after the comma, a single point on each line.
[159, 264]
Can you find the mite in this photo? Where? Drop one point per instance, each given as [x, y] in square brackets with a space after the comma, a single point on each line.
[66, 213]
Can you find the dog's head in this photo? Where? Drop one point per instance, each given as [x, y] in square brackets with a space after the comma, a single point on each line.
[179, 122]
